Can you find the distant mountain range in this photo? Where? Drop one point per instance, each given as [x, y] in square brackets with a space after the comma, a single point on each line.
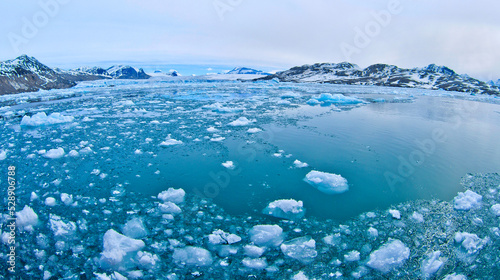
[246, 71]
[430, 77]
[26, 74]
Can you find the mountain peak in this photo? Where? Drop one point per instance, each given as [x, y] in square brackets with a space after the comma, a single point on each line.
[439, 69]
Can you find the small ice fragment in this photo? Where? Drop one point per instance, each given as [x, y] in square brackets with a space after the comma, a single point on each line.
[138, 152]
[495, 209]
[327, 182]
[352, 256]
[212, 129]
[40, 119]
[3, 154]
[419, 218]
[395, 214]
[300, 164]
[286, 209]
[242, 121]
[67, 199]
[169, 208]
[455, 276]
[172, 195]
[300, 276]
[266, 235]
[50, 201]
[221, 237]
[54, 153]
[228, 164]
[253, 251]
[302, 249]
[192, 256]
[26, 219]
[254, 263]
[254, 130]
[373, 232]
[467, 200]
[135, 228]
[470, 242]
[118, 250]
[431, 264]
[73, 153]
[389, 256]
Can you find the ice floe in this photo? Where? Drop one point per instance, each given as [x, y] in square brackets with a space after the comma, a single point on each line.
[327, 182]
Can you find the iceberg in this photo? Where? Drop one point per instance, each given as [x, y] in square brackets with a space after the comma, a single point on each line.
[302, 249]
[286, 209]
[327, 182]
[253, 251]
[299, 164]
[41, 119]
[389, 256]
[222, 237]
[470, 242]
[495, 209]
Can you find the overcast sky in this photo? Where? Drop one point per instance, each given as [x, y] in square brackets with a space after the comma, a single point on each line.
[463, 35]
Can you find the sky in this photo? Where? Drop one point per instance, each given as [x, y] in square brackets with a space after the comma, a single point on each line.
[267, 34]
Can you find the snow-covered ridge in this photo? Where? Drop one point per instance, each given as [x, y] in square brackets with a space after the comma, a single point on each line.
[27, 74]
[429, 77]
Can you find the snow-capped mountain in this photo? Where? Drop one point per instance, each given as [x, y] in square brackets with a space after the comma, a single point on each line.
[126, 72]
[247, 71]
[430, 77]
[26, 74]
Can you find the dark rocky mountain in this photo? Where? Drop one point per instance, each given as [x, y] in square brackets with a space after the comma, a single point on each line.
[247, 71]
[430, 77]
[26, 74]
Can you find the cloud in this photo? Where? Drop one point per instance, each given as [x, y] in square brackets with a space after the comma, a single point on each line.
[462, 35]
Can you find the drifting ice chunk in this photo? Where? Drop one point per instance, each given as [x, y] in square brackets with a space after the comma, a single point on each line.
[302, 249]
[26, 218]
[118, 250]
[432, 264]
[212, 129]
[172, 195]
[170, 142]
[169, 208]
[253, 251]
[470, 242]
[300, 164]
[228, 164]
[41, 118]
[255, 263]
[254, 130]
[327, 98]
[286, 209]
[67, 199]
[3, 154]
[50, 201]
[300, 276]
[419, 218]
[54, 153]
[192, 256]
[135, 229]
[327, 182]
[389, 256]
[242, 121]
[60, 228]
[467, 200]
[455, 276]
[147, 260]
[221, 237]
[352, 256]
[495, 209]
[395, 214]
[266, 235]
